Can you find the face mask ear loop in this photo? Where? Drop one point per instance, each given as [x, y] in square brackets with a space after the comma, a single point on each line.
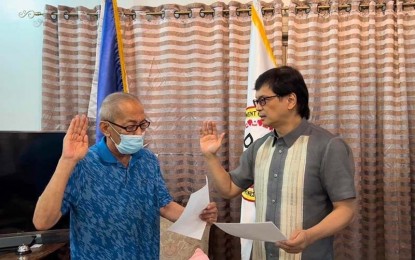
[116, 132]
[112, 140]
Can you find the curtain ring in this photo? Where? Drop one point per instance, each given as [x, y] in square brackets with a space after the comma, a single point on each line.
[177, 14]
[306, 9]
[133, 14]
[348, 8]
[211, 12]
[265, 10]
[203, 13]
[361, 8]
[53, 16]
[321, 8]
[66, 15]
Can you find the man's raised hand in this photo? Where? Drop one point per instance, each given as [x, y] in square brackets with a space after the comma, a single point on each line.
[75, 143]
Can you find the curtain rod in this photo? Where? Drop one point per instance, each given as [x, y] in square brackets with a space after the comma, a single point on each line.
[30, 14]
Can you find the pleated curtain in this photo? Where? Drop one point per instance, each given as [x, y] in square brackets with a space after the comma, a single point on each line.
[185, 64]
[358, 59]
[188, 65]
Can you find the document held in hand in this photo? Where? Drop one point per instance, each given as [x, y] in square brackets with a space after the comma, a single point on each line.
[189, 224]
[264, 231]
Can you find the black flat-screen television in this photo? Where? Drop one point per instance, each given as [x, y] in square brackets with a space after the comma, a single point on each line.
[27, 161]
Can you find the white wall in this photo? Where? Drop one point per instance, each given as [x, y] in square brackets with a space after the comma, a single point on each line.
[21, 58]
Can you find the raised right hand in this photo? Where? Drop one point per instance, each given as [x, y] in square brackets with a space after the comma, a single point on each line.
[210, 141]
[75, 142]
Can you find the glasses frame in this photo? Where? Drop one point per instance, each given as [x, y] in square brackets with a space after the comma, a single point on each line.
[262, 101]
[143, 125]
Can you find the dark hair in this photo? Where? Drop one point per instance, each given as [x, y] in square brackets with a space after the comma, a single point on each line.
[283, 81]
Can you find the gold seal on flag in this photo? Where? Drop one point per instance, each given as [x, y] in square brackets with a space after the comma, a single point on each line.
[249, 194]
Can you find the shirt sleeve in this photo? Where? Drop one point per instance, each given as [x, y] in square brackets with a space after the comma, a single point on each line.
[71, 192]
[243, 175]
[163, 195]
[338, 170]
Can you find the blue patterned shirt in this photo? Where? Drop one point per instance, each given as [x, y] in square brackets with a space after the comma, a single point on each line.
[115, 210]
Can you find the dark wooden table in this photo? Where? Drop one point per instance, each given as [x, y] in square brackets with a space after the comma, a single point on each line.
[37, 253]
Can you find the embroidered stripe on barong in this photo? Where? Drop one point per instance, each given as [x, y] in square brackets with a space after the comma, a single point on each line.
[291, 195]
[262, 164]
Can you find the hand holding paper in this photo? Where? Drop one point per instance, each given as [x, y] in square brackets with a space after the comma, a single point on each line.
[189, 224]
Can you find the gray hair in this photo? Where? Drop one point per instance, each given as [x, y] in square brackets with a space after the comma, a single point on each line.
[110, 105]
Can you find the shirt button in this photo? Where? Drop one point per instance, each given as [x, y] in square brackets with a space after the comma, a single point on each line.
[275, 175]
[280, 151]
[273, 201]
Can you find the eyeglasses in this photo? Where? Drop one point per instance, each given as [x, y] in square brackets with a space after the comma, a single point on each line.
[132, 128]
[263, 100]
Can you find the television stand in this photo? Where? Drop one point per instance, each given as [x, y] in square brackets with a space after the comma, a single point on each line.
[46, 250]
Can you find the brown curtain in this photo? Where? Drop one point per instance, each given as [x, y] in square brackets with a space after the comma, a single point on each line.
[358, 59]
[186, 65]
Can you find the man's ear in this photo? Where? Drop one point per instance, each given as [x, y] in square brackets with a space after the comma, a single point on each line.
[292, 101]
[103, 126]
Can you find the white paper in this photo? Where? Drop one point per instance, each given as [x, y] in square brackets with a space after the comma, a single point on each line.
[189, 224]
[264, 231]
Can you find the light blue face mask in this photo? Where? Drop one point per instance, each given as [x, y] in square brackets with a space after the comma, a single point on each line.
[129, 144]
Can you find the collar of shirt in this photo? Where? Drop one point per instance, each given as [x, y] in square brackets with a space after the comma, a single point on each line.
[292, 136]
